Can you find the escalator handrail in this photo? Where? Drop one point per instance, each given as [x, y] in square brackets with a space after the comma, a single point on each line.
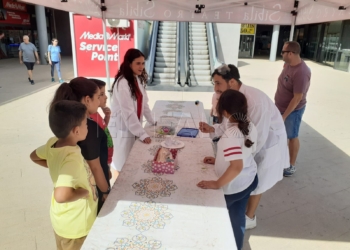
[152, 52]
[178, 53]
[212, 43]
[187, 54]
[183, 58]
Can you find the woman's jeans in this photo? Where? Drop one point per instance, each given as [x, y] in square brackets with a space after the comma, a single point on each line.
[236, 205]
[56, 65]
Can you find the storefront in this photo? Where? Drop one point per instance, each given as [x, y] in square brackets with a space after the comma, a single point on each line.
[327, 43]
[255, 40]
[16, 20]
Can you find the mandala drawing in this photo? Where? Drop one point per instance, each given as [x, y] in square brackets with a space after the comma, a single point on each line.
[145, 215]
[154, 187]
[138, 242]
[153, 150]
[176, 106]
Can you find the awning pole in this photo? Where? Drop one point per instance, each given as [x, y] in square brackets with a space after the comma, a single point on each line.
[103, 9]
[291, 36]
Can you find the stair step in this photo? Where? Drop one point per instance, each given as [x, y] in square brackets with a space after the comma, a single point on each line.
[164, 70]
[165, 64]
[165, 54]
[199, 57]
[163, 81]
[166, 40]
[198, 47]
[164, 28]
[163, 59]
[199, 52]
[199, 62]
[200, 67]
[167, 36]
[162, 49]
[197, 43]
[166, 45]
[196, 38]
[167, 32]
[164, 75]
[200, 72]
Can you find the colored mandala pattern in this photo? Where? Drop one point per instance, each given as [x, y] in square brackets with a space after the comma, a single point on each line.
[144, 216]
[138, 242]
[154, 187]
[153, 150]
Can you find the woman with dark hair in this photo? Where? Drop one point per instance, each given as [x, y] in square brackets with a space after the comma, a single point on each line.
[234, 162]
[94, 147]
[129, 106]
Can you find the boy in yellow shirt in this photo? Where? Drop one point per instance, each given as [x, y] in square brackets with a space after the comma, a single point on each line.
[74, 198]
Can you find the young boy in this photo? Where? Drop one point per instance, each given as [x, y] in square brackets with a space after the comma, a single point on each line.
[103, 122]
[74, 197]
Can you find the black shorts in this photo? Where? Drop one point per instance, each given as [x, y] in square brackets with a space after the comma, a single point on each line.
[29, 65]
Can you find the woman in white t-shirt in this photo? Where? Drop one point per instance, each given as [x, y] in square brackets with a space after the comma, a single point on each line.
[234, 162]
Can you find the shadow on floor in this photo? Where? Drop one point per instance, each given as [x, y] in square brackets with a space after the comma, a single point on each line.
[313, 204]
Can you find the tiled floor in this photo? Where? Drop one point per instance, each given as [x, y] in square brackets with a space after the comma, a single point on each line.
[310, 210]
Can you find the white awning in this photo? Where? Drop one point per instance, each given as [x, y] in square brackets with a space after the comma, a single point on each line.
[225, 11]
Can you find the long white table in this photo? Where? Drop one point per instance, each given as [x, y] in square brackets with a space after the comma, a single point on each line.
[164, 211]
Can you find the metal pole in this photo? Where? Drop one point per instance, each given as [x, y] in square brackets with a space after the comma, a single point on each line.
[106, 51]
[274, 43]
[74, 52]
[291, 35]
[42, 31]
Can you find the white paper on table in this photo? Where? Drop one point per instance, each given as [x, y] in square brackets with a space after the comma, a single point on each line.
[179, 114]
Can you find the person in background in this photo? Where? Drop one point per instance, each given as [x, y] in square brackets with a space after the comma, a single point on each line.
[103, 122]
[213, 112]
[2, 34]
[290, 97]
[129, 106]
[54, 56]
[234, 162]
[74, 197]
[29, 53]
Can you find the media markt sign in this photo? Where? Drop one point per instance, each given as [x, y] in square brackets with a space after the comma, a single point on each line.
[248, 29]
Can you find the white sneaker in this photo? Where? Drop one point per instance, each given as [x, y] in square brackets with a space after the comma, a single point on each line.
[250, 223]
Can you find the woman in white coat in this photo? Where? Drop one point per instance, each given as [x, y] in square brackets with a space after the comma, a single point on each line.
[272, 153]
[129, 105]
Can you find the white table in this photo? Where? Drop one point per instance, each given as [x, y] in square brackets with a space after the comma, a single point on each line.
[152, 211]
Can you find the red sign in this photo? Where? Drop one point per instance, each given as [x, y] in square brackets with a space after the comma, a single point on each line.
[11, 5]
[13, 17]
[89, 46]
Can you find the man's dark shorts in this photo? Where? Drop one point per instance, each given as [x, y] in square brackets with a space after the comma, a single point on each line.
[293, 122]
[29, 65]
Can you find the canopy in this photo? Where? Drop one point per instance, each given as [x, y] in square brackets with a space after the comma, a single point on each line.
[225, 11]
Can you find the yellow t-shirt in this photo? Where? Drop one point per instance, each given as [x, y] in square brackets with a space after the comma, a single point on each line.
[68, 168]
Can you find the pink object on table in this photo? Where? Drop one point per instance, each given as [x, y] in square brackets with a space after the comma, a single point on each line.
[165, 167]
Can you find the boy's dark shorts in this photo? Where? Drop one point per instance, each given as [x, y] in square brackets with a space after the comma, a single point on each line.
[29, 65]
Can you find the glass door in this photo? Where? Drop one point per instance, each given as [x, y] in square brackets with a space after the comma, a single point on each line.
[246, 46]
[330, 43]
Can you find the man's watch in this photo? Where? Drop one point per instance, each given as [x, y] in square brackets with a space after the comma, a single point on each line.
[107, 192]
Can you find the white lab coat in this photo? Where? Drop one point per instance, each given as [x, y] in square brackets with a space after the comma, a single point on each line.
[124, 126]
[272, 154]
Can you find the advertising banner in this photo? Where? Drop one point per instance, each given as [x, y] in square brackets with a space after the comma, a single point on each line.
[89, 46]
[11, 5]
[13, 17]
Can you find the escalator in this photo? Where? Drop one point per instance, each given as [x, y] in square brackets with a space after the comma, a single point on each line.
[181, 54]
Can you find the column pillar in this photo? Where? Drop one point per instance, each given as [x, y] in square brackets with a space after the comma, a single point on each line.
[42, 31]
[274, 42]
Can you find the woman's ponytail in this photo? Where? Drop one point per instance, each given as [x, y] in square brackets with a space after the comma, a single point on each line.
[64, 92]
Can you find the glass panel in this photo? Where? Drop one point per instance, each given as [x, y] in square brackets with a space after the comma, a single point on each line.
[246, 46]
[330, 43]
[343, 56]
[314, 39]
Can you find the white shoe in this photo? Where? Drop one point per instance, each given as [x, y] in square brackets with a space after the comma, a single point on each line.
[250, 223]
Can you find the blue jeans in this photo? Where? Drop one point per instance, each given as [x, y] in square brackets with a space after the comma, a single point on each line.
[293, 122]
[236, 205]
[56, 65]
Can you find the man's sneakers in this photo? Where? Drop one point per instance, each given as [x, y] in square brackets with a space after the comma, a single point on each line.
[52, 79]
[250, 223]
[289, 171]
[61, 81]
[31, 81]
